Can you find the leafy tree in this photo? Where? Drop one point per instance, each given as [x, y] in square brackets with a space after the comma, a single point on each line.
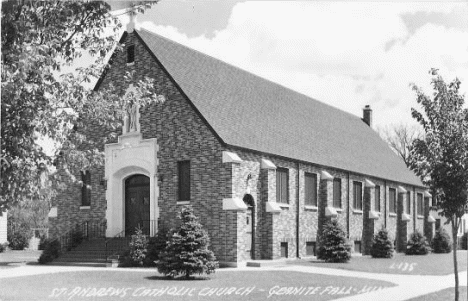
[382, 245]
[417, 244]
[441, 157]
[333, 244]
[441, 243]
[187, 250]
[39, 39]
[400, 138]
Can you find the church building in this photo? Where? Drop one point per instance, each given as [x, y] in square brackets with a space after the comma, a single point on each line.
[263, 166]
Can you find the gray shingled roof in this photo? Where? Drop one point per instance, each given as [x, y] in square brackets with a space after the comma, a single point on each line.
[248, 111]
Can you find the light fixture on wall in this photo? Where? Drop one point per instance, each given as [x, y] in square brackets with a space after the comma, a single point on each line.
[103, 182]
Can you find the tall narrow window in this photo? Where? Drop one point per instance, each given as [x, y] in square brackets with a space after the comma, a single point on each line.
[420, 204]
[130, 54]
[310, 189]
[392, 200]
[357, 195]
[86, 188]
[337, 192]
[184, 180]
[408, 203]
[377, 198]
[282, 185]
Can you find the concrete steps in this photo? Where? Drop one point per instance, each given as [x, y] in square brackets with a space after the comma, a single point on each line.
[92, 252]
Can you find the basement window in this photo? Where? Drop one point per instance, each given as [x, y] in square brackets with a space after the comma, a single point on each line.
[310, 248]
[284, 250]
[131, 54]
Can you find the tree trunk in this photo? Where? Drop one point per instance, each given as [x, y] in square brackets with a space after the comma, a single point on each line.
[455, 264]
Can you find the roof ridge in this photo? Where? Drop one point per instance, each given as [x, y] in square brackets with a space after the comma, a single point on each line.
[250, 73]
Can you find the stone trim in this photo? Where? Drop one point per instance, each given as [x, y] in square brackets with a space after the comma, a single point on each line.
[230, 157]
[234, 204]
[324, 175]
[267, 164]
[85, 207]
[183, 203]
[52, 212]
[369, 183]
[272, 207]
[310, 207]
[401, 189]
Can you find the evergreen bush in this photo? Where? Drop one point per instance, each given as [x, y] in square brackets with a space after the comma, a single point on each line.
[51, 251]
[155, 246]
[186, 252]
[417, 244]
[136, 254]
[138, 246]
[441, 243]
[382, 246]
[333, 243]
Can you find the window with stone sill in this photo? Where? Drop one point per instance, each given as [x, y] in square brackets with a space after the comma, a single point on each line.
[130, 54]
[310, 184]
[420, 204]
[408, 203]
[392, 200]
[282, 185]
[85, 188]
[184, 180]
[337, 192]
[357, 193]
[377, 198]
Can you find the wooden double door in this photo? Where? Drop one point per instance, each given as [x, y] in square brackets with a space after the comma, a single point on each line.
[137, 204]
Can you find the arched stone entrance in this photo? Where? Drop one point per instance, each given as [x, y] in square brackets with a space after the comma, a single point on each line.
[250, 224]
[131, 170]
[137, 204]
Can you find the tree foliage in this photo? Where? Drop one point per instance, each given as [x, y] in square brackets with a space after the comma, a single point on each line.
[186, 252]
[441, 157]
[400, 138]
[39, 39]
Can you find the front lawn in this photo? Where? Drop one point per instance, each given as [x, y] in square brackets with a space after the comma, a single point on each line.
[431, 264]
[148, 285]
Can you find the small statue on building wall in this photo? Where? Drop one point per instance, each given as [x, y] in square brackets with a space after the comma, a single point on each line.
[131, 120]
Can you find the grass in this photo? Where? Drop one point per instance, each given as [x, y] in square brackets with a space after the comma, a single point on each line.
[431, 264]
[145, 285]
[446, 294]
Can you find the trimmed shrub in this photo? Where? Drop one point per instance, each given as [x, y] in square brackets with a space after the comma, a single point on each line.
[441, 243]
[18, 239]
[187, 250]
[51, 251]
[156, 245]
[382, 246]
[417, 244]
[464, 241]
[333, 244]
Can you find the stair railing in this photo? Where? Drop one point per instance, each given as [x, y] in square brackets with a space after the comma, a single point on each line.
[116, 245]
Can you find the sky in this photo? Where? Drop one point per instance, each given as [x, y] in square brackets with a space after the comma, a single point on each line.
[345, 54]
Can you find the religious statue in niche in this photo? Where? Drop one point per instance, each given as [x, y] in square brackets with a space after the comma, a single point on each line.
[131, 122]
[132, 111]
